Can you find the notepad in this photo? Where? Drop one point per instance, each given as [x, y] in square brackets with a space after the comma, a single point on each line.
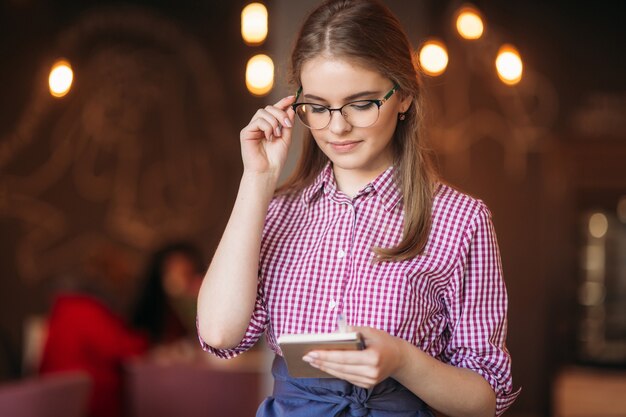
[295, 346]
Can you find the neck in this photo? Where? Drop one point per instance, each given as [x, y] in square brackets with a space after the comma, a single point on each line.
[350, 182]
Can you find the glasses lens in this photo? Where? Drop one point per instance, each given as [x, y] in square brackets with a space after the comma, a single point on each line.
[361, 113]
[358, 113]
[313, 116]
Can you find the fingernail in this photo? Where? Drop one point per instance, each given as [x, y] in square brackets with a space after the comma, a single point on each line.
[277, 131]
[313, 355]
[270, 138]
[287, 122]
[307, 358]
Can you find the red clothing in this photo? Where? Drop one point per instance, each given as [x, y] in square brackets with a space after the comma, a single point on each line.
[83, 334]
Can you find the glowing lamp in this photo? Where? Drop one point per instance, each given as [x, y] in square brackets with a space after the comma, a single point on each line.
[254, 23]
[509, 65]
[433, 57]
[60, 79]
[469, 24]
[598, 225]
[260, 75]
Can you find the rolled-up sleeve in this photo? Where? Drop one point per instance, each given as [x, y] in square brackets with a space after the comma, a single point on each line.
[476, 300]
[256, 328]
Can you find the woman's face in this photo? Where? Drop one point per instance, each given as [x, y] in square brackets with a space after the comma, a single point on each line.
[180, 277]
[363, 152]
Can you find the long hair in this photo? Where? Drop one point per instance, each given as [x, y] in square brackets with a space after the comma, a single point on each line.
[367, 33]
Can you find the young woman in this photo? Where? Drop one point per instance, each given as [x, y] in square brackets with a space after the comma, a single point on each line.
[363, 229]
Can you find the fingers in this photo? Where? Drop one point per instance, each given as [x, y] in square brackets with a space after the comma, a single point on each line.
[278, 119]
[284, 103]
[361, 372]
[355, 367]
[271, 120]
[258, 128]
[340, 356]
[364, 368]
[361, 376]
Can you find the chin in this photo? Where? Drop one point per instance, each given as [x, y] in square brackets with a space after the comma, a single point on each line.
[342, 159]
[348, 162]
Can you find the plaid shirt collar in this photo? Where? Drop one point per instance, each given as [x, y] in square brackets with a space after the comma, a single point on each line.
[384, 186]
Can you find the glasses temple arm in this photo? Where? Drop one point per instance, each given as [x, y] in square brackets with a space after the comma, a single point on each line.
[298, 94]
[390, 93]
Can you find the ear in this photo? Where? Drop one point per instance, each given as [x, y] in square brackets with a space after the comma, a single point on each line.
[405, 103]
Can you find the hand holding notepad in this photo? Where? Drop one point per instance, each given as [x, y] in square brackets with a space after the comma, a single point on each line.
[295, 346]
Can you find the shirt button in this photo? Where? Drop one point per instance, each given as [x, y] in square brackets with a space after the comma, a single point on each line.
[341, 254]
[332, 304]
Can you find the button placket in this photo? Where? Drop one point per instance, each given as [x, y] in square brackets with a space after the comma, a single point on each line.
[337, 303]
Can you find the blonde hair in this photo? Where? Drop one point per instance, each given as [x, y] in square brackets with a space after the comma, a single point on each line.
[366, 32]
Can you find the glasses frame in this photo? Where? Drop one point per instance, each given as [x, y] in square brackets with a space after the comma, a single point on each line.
[378, 102]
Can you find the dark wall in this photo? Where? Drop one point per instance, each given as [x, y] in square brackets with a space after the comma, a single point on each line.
[143, 150]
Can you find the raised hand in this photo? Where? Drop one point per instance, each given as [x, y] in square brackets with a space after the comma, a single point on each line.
[266, 139]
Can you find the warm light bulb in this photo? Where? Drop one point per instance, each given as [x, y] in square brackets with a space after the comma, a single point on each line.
[469, 24]
[509, 65]
[598, 225]
[60, 79]
[433, 57]
[260, 75]
[254, 23]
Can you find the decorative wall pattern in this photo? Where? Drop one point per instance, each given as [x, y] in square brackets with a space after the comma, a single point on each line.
[132, 156]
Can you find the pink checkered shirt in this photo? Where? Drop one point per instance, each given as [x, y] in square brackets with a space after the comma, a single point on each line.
[315, 263]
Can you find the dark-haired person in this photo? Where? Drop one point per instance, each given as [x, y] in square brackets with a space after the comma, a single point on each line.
[165, 310]
[364, 228]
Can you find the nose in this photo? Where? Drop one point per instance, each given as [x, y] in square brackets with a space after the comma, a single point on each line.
[338, 123]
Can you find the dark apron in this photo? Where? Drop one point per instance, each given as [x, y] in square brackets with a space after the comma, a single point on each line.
[332, 397]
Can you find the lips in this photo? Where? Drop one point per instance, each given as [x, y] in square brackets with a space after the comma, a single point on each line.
[344, 146]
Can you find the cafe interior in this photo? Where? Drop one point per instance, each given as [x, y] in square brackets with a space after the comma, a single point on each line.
[120, 163]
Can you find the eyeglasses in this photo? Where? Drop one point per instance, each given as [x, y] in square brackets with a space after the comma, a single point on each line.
[360, 113]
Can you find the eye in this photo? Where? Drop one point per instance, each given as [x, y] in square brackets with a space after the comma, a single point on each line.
[317, 108]
[362, 105]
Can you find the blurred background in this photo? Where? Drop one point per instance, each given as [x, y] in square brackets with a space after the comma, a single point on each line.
[119, 125]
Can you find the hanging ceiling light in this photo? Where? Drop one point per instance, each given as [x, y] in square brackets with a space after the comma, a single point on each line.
[469, 23]
[509, 65]
[433, 57]
[254, 23]
[260, 75]
[60, 79]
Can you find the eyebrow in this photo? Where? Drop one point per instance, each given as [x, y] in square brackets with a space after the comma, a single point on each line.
[350, 97]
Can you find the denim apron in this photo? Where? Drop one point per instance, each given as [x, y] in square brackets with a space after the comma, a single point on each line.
[332, 397]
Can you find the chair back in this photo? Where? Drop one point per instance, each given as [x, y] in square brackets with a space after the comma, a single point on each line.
[156, 390]
[53, 395]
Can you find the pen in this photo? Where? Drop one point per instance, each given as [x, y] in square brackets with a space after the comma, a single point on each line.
[342, 326]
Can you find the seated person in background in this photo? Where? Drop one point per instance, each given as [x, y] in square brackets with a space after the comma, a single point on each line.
[166, 307]
[87, 332]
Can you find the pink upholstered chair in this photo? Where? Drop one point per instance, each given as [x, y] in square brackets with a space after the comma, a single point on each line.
[56, 395]
[156, 390]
